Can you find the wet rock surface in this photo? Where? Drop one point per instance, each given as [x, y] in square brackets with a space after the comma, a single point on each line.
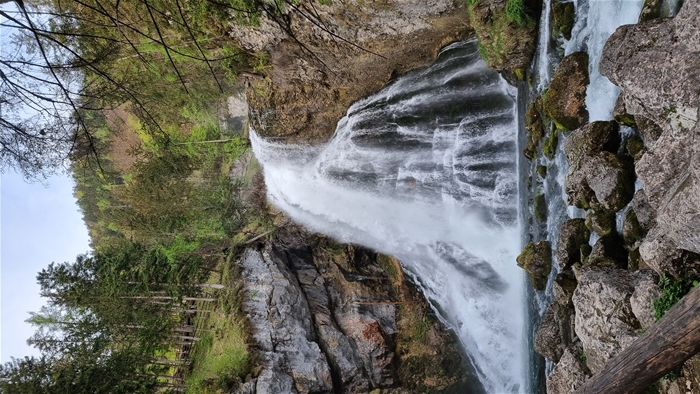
[536, 260]
[565, 100]
[572, 235]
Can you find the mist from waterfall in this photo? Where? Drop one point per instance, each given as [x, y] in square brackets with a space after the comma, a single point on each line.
[425, 170]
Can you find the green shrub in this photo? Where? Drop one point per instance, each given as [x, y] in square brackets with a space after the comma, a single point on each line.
[673, 291]
[516, 13]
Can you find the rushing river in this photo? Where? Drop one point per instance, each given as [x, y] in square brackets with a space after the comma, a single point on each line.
[427, 170]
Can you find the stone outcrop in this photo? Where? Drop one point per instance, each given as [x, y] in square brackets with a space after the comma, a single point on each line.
[655, 64]
[536, 260]
[605, 319]
[507, 44]
[321, 59]
[565, 100]
[322, 320]
[660, 253]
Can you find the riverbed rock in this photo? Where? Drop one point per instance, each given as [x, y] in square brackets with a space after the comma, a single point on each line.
[620, 113]
[601, 222]
[646, 214]
[563, 287]
[634, 145]
[536, 260]
[556, 331]
[650, 10]
[632, 231]
[572, 234]
[535, 128]
[592, 138]
[563, 17]
[505, 44]
[565, 100]
[649, 130]
[605, 321]
[570, 372]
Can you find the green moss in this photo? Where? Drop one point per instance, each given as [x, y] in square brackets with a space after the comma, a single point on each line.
[534, 127]
[519, 73]
[516, 12]
[635, 147]
[540, 207]
[550, 144]
[564, 16]
[542, 171]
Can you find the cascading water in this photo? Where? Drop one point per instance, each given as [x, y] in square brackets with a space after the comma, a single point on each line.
[426, 170]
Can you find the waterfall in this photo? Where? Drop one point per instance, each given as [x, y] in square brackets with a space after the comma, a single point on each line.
[425, 170]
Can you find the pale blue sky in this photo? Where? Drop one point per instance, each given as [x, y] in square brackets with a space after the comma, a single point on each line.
[38, 225]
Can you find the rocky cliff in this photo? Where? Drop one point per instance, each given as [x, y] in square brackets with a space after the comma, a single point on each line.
[327, 317]
[608, 295]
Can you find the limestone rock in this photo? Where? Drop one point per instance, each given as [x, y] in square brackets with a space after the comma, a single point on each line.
[563, 287]
[646, 215]
[635, 147]
[570, 372]
[660, 253]
[605, 321]
[591, 138]
[555, 332]
[642, 302]
[611, 178]
[535, 128]
[536, 260]
[282, 328]
[632, 231]
[572, 234]
[650, 10]
[565, 100]
[649, 130]
[620, 113]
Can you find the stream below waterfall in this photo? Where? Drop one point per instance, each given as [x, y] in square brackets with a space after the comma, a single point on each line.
[429, 170]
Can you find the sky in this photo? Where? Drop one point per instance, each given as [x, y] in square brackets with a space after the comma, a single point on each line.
[38, 225]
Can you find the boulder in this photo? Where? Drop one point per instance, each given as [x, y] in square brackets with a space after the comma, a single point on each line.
[611, 178]
[601, 222]
[540, 207]
[592, 138]
[535, 128]
[563, 17]
[556, 331]
[578, 193]
[570, 372]
[650, 10]
[642, 302]
[635, 147]
[572, 234]
[605, 321]
[649, 130]
[505, 44]
[536, 260]
[563, 287]
[646, 215]
[608, 251]
[660, 253]
[565, 100]
[632, 231]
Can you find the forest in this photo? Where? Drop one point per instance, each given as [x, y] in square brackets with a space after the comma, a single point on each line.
[129, 95]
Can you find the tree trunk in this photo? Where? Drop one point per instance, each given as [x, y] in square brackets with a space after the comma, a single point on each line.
[666, 345]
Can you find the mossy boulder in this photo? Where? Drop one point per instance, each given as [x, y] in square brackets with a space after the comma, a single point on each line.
[635, 147]
[536, 260]
[601, 222]
[535, 128]
[565, 100]
[540, 208]
[592, 138]
[507, 31]
[541, 171]
[650, 10]
[550, 144]
[564, 16]
[572, 234]
[632, 231]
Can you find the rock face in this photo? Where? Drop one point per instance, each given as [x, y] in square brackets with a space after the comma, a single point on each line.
[655, 64]
[302, 297]
[605, 319]
[565, 100]
[659, 252]
[536, 260]
[323, 60]
[570, 372]
[507, 44]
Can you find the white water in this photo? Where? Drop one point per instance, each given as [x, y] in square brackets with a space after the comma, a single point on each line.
[426, 170]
